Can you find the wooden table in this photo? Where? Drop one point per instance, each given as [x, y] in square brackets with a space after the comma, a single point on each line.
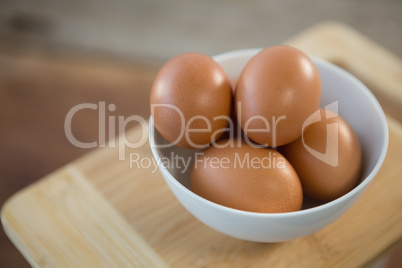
[99, 212]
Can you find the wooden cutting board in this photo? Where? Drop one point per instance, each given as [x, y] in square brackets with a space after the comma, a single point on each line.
[101, 212]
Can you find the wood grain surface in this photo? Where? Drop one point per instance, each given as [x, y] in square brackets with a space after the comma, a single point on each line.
[99, 210]
[64, 211]
[37, 89]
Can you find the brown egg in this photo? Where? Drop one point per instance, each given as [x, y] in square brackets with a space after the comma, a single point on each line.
[247, 178]
[233, 83]
[190, 97]
[277, 90]
[331, 167]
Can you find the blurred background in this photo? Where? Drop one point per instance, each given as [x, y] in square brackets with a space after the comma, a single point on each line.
[57, 54]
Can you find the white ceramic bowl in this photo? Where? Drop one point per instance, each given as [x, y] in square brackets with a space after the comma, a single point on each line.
[355, 103]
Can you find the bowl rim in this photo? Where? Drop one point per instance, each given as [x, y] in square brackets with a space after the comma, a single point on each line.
[358, 85]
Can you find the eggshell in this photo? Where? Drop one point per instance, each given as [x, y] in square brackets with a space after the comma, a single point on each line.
[233, 83]
[247, 178]
[336, 169]
[282, 85]
[189, 93]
